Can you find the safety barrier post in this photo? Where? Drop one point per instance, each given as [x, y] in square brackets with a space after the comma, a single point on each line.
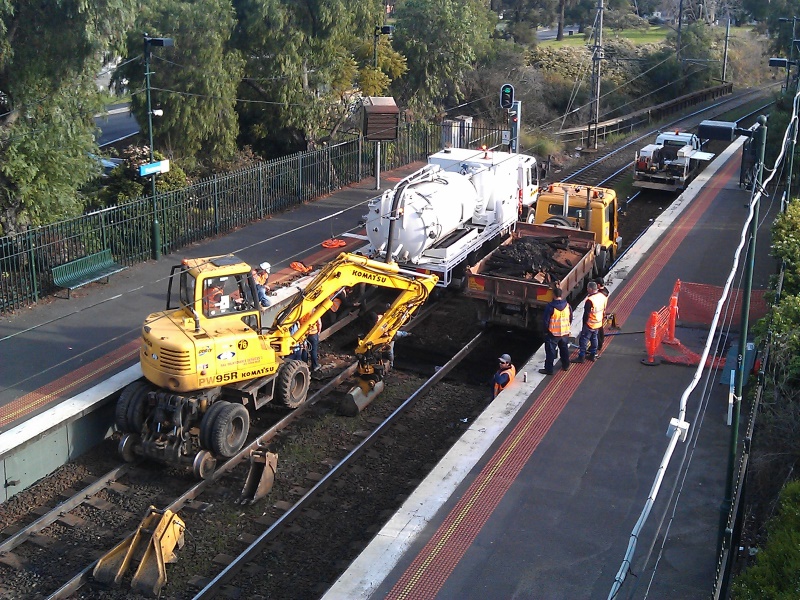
[651, 341]
[673, 316]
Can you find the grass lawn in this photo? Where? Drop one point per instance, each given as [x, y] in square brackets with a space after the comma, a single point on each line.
[653, 35]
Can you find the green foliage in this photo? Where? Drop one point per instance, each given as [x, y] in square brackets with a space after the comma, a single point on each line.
[49, 53]
[776, 573]
[624, 19]
[786, 245]
[194, 82]
[303, 62]
[539, 145]
[783, 321]
[124, 184]
[442, 40]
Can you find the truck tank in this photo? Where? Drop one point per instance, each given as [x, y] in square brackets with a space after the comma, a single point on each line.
[432, 207]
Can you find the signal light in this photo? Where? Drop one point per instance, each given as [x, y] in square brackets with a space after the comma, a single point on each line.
[506, 96]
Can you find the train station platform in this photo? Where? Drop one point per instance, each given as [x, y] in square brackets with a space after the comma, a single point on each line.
[539, 498]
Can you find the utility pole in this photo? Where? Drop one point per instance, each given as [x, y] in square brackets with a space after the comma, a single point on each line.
[725, 53]
[597, 57]
[148, 43]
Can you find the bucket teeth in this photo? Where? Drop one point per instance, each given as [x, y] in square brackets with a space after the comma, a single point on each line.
[156, 538]
[261, 476]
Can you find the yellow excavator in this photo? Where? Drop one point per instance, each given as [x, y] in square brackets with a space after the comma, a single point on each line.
[210, 362]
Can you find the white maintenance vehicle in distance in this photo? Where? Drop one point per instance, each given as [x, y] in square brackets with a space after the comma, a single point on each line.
[452, 212]
[670, 163]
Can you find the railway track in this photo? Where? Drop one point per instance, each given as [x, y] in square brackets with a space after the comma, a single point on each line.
[318, 517]
[617, 157]
[69, 529]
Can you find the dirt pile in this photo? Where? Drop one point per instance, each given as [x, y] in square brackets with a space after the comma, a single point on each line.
[543, 260]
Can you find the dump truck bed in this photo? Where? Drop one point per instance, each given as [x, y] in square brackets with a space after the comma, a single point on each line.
[514, 294]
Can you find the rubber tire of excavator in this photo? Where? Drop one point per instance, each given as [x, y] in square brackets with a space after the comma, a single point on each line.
[207, 423]
[123, 413]
[291, 387]
[231, 426]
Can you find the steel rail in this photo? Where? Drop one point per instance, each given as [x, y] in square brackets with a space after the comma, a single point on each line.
[667, 125]
[63, 508]
[82, 577]
[256, 546]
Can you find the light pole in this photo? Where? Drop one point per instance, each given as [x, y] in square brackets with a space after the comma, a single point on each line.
[791, 47]
[379, 31]
[148, 42]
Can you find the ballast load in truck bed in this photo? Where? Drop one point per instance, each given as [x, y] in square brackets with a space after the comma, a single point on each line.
[515, 281]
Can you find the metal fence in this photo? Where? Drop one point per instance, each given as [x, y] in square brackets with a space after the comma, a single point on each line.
[205, 209]
[627, 123]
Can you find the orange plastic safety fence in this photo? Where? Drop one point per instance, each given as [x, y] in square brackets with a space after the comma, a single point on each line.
[698, 301]
[692, 303]
[661, 326]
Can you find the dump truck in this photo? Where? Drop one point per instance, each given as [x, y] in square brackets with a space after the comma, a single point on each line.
[670, 163]
[452, 211]
[574, 240]
[212, 358]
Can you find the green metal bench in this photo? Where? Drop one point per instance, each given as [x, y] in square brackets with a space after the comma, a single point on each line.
[86, 269]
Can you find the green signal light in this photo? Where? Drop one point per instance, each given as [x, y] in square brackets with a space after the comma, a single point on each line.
[506, 96]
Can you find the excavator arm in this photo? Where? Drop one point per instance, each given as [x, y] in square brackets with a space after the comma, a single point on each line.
[349, 270]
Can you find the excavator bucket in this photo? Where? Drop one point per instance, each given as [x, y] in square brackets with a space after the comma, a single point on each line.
[261, 476]
[163, 530]
[360, 396]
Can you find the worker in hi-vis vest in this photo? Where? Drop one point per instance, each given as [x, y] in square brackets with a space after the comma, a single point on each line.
[504, 376]
[594, 316]
[557, 323]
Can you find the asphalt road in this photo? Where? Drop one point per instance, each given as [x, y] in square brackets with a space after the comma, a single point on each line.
[116, 125]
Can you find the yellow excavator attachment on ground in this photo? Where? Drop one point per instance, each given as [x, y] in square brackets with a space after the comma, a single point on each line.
[160, 531]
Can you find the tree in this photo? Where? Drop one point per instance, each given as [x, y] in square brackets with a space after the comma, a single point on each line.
[442, 40]
[194, 83]
[50, 52]
[303, 64]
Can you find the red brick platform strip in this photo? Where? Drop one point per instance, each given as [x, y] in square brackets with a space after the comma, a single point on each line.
[437, 560]
[59, 388]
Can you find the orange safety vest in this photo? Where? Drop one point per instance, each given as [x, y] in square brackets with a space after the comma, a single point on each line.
[597, 314]
[261, 278]
[559, 322]
[211, 298]
[512, 372]
[315, 327]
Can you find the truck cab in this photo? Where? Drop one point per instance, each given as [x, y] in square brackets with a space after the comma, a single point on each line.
[585, 207]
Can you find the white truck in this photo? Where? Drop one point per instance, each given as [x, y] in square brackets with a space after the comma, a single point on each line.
[670, 163]
[453, 211]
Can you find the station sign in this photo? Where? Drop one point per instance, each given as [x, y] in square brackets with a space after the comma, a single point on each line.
[161, 166]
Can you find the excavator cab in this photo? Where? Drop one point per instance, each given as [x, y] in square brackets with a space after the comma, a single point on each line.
[204, 289]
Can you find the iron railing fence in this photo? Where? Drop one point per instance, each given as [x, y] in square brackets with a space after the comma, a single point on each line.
[646, 116]
[207, 208]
